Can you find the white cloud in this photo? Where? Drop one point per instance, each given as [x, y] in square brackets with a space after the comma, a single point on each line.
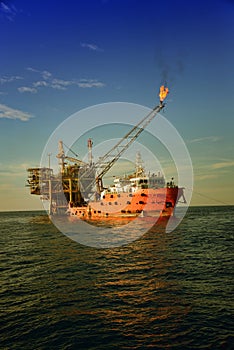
[10, 79]
[27, 89]
[10, 113]
[40, 83]
[8, 11]
[58, 87]
[91, 47]
[83, 83]
[90, 84]
[46, 75]
[60, 84]
[47, 80]
[32, 69]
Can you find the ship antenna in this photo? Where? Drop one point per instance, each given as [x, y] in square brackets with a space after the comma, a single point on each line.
[140, 171]
[90, 155]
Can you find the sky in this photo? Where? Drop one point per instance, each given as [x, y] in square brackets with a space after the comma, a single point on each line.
[60, 57]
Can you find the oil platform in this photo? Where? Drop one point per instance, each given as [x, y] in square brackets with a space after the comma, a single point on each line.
[78, 188]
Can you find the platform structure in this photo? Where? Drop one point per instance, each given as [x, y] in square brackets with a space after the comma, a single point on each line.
[59, 190]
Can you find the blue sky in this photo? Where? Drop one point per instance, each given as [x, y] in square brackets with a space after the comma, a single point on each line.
[59, 57]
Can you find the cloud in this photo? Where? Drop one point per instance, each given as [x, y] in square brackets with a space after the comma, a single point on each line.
[62, 84]
[10, 113]
[223, 164]
[58, 87]
[40, 83]
[206, 177]
[44, 73]
[206, 138]
[32, 69]
[49, 81]
[10, 79]
[8, 11]
[91, 47]
[27, 89]
[82, 83]
[14, 169]
[90, 84]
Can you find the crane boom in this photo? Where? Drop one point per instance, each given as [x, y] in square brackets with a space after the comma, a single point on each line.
[75, 160]
[110, 158]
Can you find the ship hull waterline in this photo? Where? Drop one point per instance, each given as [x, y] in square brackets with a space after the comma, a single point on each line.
[117, 209]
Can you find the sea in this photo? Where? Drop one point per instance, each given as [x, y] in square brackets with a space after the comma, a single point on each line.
[163, 291]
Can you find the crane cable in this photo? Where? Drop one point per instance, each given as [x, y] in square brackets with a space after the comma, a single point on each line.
[71, 150]
[208, 197]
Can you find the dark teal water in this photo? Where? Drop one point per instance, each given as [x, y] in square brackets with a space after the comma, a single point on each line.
[164, 291]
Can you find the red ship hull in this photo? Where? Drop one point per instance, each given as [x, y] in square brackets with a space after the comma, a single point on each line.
[144, 202]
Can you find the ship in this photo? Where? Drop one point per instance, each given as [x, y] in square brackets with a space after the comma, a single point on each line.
[79, 192]
[130, 197]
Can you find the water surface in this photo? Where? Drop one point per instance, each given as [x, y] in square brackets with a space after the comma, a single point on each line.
[163, 291]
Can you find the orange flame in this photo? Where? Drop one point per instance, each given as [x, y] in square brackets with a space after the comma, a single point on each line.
[163, 93]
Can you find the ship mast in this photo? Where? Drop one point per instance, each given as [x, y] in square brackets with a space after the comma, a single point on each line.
[90, 154]
[140, 171]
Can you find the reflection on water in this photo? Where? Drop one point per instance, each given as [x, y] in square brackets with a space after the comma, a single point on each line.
[109, 233]
[161, 291]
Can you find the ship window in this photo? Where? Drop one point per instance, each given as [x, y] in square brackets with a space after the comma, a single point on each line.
[143, 195]
[94, 211]
[118, 195]
[110, 203]
[128, 202]
[99, 211]
[130, 195]
[129, 211]
[141, 202]
[111, 196]
[116, 203]
[144, 186]
[168, 204]
[101, 203]
[104, 197]
[123, 211]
